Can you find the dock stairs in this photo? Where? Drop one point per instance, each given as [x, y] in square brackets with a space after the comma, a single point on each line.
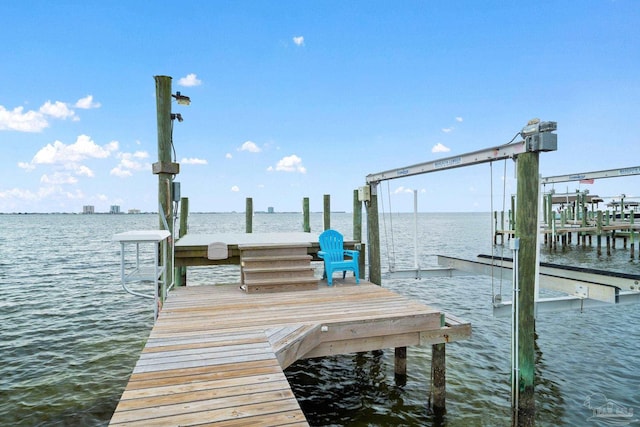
[276, 268]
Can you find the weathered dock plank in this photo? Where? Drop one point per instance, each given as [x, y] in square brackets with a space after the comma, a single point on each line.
[216, 354]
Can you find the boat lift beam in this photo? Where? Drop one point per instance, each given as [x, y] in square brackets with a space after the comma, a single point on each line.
[545, 141]
[611, 173]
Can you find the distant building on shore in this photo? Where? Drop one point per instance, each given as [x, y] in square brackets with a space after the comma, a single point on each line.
[114, 209]
[88, 209]
[134, 211]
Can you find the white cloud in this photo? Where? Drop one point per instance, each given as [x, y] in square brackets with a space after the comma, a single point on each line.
[290, 163]
[87, 103]
[447, 130]
[440, 148]
[249, 146]
[16, 119]
[129, 163]
[120, 172]
[228, 156]
[26, 166]
[83, 148]
[190, 80]
[298, 40]
[58, 110]
[35, 121]
[84, 170]
[193, 161]
[459, 119]
[235, 188]
[18, 193]
[402, 189]
[58, 178]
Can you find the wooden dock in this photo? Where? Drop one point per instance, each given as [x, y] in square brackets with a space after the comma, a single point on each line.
[216, 354]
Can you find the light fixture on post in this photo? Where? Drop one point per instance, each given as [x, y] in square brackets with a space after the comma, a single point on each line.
[176, 116]
[181, 99]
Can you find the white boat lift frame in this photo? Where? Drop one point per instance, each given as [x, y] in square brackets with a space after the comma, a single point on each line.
[582, 292]
[507, 151]
[611, 173]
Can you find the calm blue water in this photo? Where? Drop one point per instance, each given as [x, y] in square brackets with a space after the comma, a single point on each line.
[70, 335]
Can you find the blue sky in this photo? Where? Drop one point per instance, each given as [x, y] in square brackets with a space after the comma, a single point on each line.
[301, 99]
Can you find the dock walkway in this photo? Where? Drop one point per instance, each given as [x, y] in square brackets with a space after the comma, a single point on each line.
[216, 354]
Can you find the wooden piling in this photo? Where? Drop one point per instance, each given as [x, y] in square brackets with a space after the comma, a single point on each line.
[306, 224]
[357, 217]
[327, 211]
[400, 365]
[438, 395]
[632, 247]
[181, 272]
[373, 237]
[527, 232]
[164, 168]
[599, 232]
[249, 215]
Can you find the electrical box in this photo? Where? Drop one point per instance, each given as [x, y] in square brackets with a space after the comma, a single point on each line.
[544, 141]
[364, 193]
[175, 191]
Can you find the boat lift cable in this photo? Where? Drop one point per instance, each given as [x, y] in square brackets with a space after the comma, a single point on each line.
[386, 237]
[493, 231]
[497, 298]
[393, 243]
[504, 202]
[391, 252]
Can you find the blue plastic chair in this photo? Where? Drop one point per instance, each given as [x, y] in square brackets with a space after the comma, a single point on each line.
[333, 253]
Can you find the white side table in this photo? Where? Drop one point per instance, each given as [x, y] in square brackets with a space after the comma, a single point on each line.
[140, 271]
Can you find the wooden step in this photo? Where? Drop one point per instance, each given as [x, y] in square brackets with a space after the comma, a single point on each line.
[273, 250]
[276, 272]
[280, 285]
[276, 261]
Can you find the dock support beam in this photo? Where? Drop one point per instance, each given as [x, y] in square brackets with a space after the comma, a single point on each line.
[523, 402]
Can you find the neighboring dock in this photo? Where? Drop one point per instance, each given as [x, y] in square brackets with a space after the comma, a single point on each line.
[216, 354]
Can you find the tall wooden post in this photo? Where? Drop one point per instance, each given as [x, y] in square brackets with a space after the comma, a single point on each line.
[357, 217]
[527, 232]
[632, 233]
[165, 168]
[599, 232]
[306, 225]
[373, 237]
[181, 274]
[248, 214]
[327, 211]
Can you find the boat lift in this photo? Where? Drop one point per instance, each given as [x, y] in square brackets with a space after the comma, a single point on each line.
[584, 289]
